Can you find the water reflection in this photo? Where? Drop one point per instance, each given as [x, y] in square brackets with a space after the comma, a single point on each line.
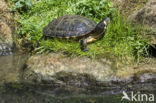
[10, 67]
[30, 96]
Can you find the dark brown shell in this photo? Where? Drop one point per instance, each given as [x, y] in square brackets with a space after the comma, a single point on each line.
[69, 26]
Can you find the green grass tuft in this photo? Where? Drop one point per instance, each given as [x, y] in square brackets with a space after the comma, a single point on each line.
[122, 40]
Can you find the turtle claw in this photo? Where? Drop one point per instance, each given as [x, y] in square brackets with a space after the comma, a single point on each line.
[85, 49]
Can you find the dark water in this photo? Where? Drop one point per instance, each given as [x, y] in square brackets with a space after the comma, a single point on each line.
[27, 95]
[13, 96]
[10, 95]
[11, 91]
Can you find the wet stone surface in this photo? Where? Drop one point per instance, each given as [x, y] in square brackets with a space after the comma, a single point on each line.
[6, 29]
[5, 49]
[52, 66]
[82, 74]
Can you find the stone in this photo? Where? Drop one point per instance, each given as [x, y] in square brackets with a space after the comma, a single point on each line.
[6, 29]
[57, 69]
[147, 16]
[49, 66]
[127, 7]
[117, 3]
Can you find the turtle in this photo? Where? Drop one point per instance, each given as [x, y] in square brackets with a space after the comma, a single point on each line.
[77, 28]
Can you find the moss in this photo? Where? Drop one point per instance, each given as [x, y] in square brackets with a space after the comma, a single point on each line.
[17, 86]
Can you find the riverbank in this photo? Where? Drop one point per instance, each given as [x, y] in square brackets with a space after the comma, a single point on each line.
[60, 71]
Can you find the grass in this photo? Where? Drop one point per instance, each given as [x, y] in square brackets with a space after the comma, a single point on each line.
[122, 40]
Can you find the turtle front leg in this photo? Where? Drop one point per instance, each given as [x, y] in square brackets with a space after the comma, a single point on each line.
[84, 43]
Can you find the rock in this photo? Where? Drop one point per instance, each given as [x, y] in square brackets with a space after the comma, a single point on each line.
[55, 70]
[127, 7]
[6, 29]
[5, 49]
[146, 15]
[117, 3]
[147, 77]
[51, 66]
[61, 73]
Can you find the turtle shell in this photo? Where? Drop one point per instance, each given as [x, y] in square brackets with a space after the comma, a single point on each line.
[69, 26]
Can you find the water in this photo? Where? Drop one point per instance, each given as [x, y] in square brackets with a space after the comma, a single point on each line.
[13, 91]
[27, 95]
[10, 95]
[10, 67]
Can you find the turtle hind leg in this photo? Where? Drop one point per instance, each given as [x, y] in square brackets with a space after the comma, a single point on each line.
[84, 45]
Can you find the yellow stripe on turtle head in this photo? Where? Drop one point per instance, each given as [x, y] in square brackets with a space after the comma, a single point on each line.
[67, 37]
[104, 22]
[105, 27]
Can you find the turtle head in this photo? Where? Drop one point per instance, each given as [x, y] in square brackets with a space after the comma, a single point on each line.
[103, 24]
[101, 27]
